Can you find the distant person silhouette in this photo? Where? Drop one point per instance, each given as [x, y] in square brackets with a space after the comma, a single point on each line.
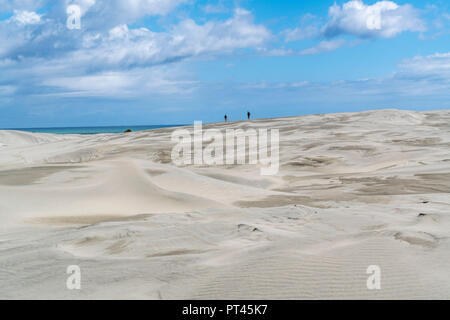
[248, 115]
[226, 118]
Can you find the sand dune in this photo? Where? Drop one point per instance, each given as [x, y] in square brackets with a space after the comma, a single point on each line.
[353, 190]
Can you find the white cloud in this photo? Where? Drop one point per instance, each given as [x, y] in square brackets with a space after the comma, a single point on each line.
[26, 17]
[138, 8]
[125, 47]
[121, 46]
[432, 65]
[84, 5]
[107, 83]
[127, 61]
[7, 90]
[49, 59]
[102, 14]
[125, 83]
[276, 85]
[324, 46]
[301, 33]
[384, 19]
[215, 8]
[10, 5]
[309, 28]
[421, 77]
[236, 32]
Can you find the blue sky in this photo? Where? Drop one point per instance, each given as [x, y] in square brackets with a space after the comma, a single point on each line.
[176, 61]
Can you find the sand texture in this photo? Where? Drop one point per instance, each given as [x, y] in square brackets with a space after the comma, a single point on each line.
[353, 190]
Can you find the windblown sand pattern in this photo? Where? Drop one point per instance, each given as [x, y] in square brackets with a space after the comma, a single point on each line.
[353, 190]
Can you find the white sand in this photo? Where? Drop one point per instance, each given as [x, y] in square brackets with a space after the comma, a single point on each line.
[353, 190]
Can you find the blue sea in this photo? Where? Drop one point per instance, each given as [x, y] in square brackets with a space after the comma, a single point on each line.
[93, 130]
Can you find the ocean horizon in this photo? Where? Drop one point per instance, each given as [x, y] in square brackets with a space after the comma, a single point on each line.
[94, 129]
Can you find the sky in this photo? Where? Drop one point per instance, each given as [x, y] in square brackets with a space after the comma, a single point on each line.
[142, 62]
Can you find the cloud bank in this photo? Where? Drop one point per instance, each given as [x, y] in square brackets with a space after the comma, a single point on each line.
[384, 19]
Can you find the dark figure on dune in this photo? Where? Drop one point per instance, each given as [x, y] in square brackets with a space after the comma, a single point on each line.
[248, 115]
[226, 118]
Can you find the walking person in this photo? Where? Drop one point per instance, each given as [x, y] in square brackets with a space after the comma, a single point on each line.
[248, 115]
[226, 118]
